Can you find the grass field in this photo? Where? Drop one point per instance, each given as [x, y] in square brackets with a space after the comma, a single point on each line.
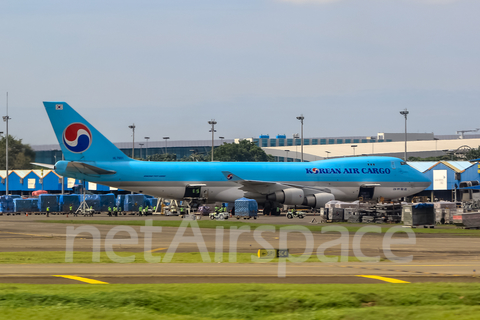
[241, 301]
[228, 224]
[24, 257]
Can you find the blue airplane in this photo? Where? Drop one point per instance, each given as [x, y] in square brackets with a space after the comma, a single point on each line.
[89, 156]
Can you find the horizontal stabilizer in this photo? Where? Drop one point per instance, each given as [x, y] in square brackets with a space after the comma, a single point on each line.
[87, 169]
[44, 165]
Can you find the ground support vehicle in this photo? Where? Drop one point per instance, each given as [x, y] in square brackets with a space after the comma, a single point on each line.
[295, 214]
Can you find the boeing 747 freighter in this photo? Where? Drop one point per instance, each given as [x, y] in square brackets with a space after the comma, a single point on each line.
[91, 157]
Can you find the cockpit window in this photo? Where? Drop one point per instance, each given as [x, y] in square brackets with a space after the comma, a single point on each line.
[403, 163]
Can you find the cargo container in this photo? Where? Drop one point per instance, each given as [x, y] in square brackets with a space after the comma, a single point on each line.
[25, 205]
[418, 214]
[67, 200]
[48, 200]
[246, 208]
[133, 202]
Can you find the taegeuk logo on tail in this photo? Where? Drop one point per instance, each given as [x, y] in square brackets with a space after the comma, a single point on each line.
[77, 137]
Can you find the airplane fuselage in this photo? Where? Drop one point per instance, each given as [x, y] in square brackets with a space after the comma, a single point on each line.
[344, 178]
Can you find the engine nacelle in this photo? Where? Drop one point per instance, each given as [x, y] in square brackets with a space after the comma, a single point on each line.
[318, 200]
[290, 196]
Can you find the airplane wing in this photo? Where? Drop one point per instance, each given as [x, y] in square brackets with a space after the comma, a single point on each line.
[267, 187]
[87, 169]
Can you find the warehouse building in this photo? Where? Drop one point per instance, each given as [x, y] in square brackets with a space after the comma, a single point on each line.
[24, 182]
[447, 177]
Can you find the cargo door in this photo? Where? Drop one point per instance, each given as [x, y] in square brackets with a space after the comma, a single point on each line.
[366, 192]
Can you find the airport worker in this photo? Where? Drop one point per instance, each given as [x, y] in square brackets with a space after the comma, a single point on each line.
[48, 211]
[109, 211]
[115, 211]
[140, 210]
[181, 211]
[71, 209]
[278, 210]
[154, 209]
[216, 209]
[91, 211]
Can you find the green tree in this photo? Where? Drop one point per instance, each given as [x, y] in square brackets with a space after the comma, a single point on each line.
[162, 157]
[19, 155]
[473, 154]
[196, 157]
[245, 150]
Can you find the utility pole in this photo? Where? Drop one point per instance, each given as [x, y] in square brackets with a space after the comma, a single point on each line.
[133, 141]
[6, 118]
[301, 120]
[141, 149]
[63, 178]
[405, 113]
[146, 150]
[166, 139]
[213, 123]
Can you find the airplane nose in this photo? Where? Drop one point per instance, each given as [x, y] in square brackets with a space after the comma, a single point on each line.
[421, 180]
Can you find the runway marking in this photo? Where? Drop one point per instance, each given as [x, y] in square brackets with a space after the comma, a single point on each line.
[158, 249]
[28, 234]
[87, 280]
[434, 265]
[391, 280]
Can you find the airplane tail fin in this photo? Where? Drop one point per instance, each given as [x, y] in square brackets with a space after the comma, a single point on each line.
[79, 140]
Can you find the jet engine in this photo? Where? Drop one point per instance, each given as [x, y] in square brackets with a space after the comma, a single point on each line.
[290, 196]
[318, 200]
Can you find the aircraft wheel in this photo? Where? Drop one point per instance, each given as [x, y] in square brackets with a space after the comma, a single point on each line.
[266, 211]
[301, 216]
[289, 216]
[212, 218]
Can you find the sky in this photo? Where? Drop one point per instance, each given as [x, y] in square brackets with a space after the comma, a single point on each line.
[348, 66]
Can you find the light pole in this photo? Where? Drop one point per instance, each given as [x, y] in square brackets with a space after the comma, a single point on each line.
[301, 120]
[354, 146]
[133, 141]
[213, 123]
[166, 138]
[6, 118]
[405, 113]
[327, 152]
[221, 139]
[141, 149]
[286, 159]
[146, 148]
